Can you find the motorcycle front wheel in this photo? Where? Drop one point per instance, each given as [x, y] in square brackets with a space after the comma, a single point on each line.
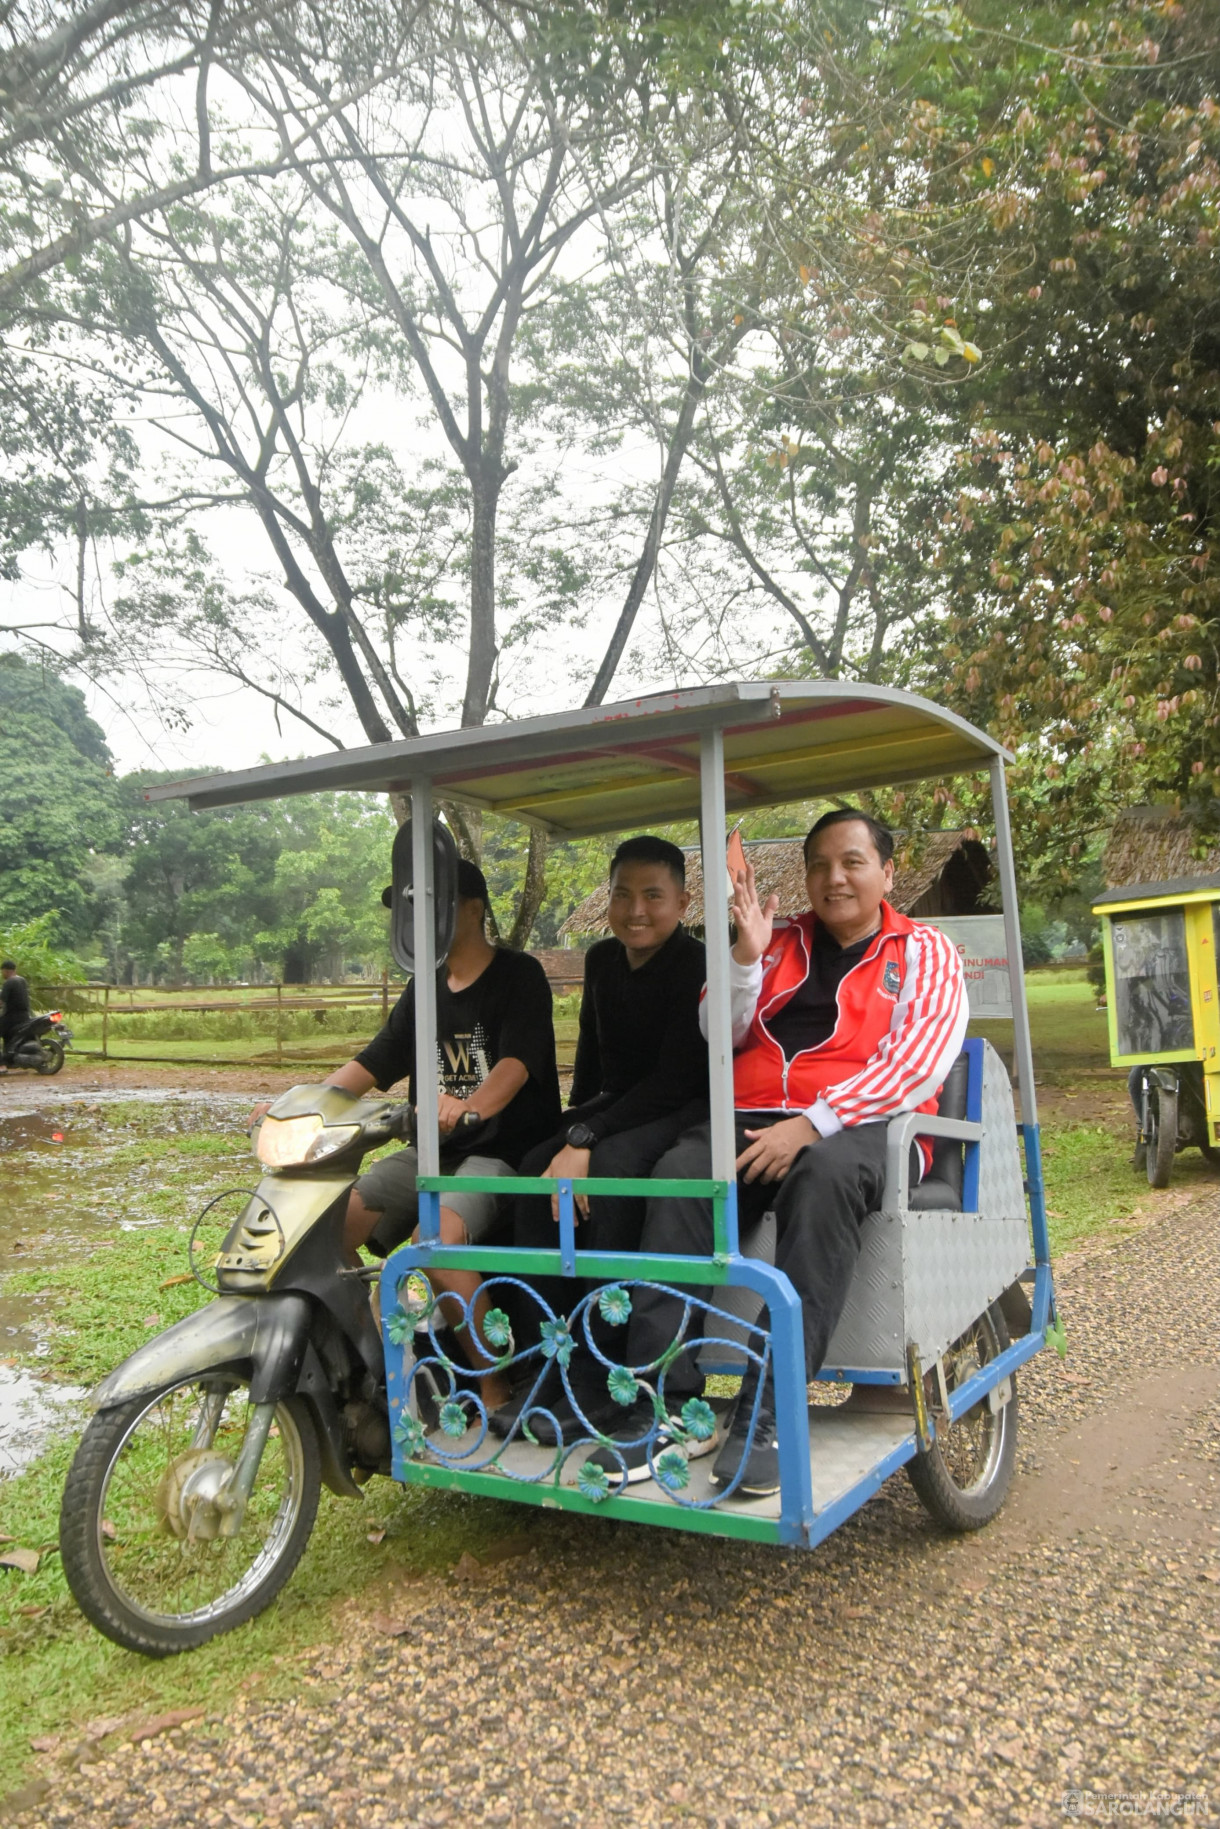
[141, 1566]
[52, 1053]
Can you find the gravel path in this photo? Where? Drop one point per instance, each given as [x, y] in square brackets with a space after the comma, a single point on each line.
[600, 1674]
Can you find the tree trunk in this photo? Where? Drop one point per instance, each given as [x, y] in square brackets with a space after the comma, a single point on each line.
[485, 496]
[532, 890]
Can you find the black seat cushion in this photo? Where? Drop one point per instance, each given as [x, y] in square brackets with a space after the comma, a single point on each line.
[942, 1185]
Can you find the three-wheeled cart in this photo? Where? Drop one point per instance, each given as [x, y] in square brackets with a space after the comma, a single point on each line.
[1163, 1009]
[953, 1290]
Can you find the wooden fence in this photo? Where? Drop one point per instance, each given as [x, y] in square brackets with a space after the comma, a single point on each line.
[96, 1012]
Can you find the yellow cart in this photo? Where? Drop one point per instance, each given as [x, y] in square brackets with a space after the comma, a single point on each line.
[1160, 942]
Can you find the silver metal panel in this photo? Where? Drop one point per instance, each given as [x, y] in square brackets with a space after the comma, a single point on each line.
[843, 1449]
[926, 1276]
[954, 1266]
[1001, 1186]
[870, 1333]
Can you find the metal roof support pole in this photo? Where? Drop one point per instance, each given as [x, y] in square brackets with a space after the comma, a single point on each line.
[426, 1086]
[1022, 1046]
[716, 936]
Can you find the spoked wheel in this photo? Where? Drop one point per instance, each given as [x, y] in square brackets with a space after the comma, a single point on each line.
[963, 1478]
[52, 1054]
[1161, 1134]
[140, 1533]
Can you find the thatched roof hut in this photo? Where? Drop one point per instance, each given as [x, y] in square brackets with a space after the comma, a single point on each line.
[947, 875]
[1157, 848]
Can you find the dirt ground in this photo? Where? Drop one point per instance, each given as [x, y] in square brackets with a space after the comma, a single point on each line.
[1098, 1094]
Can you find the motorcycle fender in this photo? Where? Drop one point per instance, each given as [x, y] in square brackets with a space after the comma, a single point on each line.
[314, 1386]
[269, 1332]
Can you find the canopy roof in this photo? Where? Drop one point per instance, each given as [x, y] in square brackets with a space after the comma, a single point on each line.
[637, 763]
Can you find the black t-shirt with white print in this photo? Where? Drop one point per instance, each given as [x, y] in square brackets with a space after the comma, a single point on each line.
[505, 1013]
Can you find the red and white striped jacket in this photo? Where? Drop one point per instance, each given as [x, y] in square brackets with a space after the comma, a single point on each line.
[902, 1019]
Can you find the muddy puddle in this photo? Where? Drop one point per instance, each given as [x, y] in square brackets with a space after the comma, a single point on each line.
[75, 1168]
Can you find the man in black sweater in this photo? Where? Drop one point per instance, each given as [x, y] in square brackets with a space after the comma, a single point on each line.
[640, 1079]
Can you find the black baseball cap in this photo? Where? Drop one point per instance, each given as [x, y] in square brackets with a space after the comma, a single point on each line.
[471, 883]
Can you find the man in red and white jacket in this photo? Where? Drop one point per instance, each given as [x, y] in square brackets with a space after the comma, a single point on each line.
[842, 1019]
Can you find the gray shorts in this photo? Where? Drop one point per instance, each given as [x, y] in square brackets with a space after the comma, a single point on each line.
[388, 1188]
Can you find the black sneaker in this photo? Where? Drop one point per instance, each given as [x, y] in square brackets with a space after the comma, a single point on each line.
[554, 1420]
[756, 1459]
[632, 1448]
[549, 1391]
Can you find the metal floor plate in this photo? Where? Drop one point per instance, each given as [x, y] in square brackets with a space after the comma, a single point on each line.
[843, 1451]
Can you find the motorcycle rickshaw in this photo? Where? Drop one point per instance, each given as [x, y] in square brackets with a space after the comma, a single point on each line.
[209, 1443]
[1163, 1013]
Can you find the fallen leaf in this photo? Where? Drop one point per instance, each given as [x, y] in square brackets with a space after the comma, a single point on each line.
[467, 1569]
[105, 1724]
[1210, 1575]
[620, 1666]
[35, 1611]
[392, 1628]
[25, 1560]
[46, 1743]
[151, 1321]
[505, 1548]
[5, 1538]
[108, 1530]
[172, 1282]
[161, 1724]
[377, 1536]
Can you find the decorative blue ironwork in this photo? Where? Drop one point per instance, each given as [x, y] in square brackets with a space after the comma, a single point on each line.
[557, 1342]
[614, 1305]
[497, 1330]
[623, 1385]
[443, 1416]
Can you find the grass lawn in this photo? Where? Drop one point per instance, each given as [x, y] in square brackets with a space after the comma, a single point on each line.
[135, 1167]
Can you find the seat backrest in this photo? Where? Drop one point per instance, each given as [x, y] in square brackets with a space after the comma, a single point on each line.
[941, 1187]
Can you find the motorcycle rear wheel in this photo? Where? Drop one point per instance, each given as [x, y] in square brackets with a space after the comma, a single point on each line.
[130, 1560]
[52, 1054]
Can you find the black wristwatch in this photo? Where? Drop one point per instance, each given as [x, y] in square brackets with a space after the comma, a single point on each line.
[579, 1136]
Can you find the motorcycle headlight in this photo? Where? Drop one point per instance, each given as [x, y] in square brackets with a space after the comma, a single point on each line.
[285, 1143]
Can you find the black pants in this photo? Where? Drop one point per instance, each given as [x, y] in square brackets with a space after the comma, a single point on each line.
[818, 1206]
[615, 1221]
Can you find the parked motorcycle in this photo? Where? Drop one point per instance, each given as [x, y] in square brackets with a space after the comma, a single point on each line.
[39, 1043]
[195, 1486]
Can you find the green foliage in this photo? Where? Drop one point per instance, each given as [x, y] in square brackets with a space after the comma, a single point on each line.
[209, 873]
[58, 803]
[329, 875]
[45, 967]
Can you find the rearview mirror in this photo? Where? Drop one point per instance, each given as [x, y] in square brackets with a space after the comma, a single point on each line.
[402, 893]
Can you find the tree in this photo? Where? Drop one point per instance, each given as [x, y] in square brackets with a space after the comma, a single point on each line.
[58, 805]
[1075, 163]
[190, 873]
[327, 889]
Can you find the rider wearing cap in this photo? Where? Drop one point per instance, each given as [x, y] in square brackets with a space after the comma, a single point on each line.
[496, 1059]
